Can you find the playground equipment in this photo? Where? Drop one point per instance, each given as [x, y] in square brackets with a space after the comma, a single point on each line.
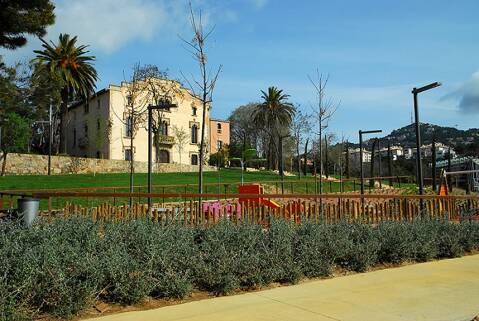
[256, 189]
[471, 182]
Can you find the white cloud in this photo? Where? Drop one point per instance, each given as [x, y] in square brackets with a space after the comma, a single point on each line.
[467, 95]
[109, 25]
[258, 4]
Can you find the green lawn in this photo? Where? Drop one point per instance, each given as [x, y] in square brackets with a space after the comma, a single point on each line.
[216, 182]
[122, 179]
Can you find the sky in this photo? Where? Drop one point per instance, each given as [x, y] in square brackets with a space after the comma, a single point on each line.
[374, 51]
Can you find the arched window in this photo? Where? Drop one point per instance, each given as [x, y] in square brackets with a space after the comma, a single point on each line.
[164, 128]
[194, 134]
[164, 156]
[218, 126]
[194, 159]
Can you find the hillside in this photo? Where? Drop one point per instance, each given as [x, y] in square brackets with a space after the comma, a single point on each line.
[456, 138]
[406, 136]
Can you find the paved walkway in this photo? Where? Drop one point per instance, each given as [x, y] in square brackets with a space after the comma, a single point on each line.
[445, 290]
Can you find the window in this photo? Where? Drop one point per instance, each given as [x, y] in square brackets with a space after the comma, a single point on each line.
[98, 124]
[128, 127]
[98, 104]
[219, 145]
[164, 128]
[128, 155]
[164, 156]
[86, 108]
[86, 130]
[194, 134]
[218, 126]
[194, 159]
[74, 137]
[193, 111]
[128, 100]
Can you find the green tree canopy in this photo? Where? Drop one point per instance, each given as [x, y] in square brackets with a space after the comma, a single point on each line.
[275, 111]
[21, 17]
[15, 135]
[71, 65]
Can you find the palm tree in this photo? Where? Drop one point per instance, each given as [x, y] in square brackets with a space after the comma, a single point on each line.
[274, 113]
[68, 63]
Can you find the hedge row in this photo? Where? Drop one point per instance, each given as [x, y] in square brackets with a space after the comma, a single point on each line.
[60, 268]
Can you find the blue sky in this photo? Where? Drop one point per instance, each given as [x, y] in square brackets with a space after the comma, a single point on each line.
[374, 51]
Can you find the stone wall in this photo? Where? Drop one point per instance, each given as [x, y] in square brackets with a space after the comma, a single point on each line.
[30, 164]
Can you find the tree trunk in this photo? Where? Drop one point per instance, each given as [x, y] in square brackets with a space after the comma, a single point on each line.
[326, 158]
[298, 159]
[348, 170]
[371, 172]
[433, 163]
[4, 164]
[63, 114]
[202, 145]
[305, 164]
[390, 164]
[449, 167]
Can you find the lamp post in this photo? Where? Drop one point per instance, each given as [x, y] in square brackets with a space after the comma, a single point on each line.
[161, 105]
[281, 169]
[361, 133]
[50, 128]
[415, 92]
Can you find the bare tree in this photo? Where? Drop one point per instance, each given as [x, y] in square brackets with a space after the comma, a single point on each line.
[181, 138]
[160, 90]
[300, 126]
[324, 108]
[134, 115]
[202, 88]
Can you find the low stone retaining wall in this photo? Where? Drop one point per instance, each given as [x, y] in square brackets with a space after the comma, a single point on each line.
[31, 164]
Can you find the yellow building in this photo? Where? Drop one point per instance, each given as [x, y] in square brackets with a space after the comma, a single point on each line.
[103, 127]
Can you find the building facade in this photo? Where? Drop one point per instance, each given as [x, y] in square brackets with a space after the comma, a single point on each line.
[104, 126]
[219, 134]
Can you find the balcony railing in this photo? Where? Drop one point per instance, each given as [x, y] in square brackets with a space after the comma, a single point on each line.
[167, 140]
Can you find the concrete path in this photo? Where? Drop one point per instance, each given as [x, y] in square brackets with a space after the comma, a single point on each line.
[445, 290]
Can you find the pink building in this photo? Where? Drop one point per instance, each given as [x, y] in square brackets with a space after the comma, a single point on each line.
[219, 134]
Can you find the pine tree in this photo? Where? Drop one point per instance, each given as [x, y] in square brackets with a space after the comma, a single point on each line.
[21, 17]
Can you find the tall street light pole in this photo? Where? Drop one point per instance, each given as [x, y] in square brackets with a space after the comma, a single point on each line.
[419, 177]
[165, 106]
[50, 128]
[361, 133]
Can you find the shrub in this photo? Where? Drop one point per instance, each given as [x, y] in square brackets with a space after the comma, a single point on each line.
[60, 267]
[395, 242]
[357, 246]
[281, 265]
[469, 236]
[215, 271]
[125, 263]
[314, 249]
[173, 260]
[448, 239]
[423, 240]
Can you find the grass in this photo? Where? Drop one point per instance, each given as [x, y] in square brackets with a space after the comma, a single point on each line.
[123, 179]
[216, 182]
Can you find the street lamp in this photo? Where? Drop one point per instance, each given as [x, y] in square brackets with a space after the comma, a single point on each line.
[50, 128]
[281, 169]
[165, 106]
[415, 92]
[361, 132]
